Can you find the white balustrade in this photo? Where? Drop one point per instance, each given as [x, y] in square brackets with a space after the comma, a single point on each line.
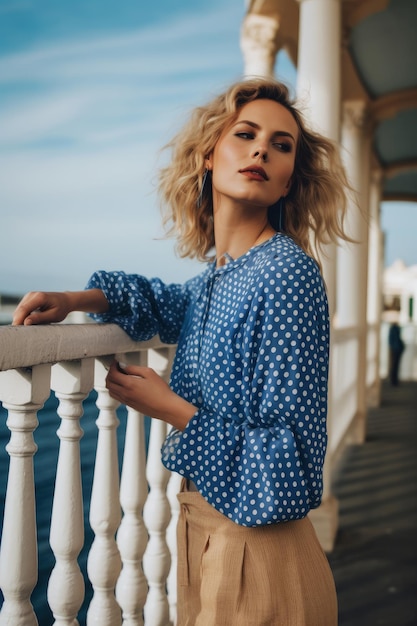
[71, 382]
[121, 553]
[132, 536]
[23, 393]
[157, 514]
[173, 489]
[145, 537]
[104, 562]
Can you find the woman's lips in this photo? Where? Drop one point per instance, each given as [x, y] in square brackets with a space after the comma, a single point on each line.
[257, 173]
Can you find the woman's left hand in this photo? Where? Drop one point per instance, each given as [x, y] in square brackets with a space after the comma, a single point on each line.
[145, 391]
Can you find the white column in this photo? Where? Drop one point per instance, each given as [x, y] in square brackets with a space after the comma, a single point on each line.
[318, 88]
[353, 257]
[259, 44]
[376, 252]
[318, 92]
[319, 63]
[375, 273]
[352, 267]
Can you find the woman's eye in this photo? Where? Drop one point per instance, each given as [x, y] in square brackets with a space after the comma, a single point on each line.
[244, 135]
[283, 146]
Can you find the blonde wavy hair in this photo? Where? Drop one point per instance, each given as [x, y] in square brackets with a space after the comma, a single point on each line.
[313, 211]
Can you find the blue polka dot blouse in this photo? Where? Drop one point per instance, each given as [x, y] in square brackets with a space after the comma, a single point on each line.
[252, 356]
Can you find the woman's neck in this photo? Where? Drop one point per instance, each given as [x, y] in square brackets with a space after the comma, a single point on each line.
[235, 238]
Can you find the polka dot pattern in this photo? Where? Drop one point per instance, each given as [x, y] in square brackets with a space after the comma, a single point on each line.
[143, 308]
[252, 356]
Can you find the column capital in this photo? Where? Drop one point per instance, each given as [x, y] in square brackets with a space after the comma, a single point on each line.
[259, 43]
[356, 115]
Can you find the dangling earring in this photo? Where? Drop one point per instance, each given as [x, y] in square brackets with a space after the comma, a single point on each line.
[203, 183]
[281, 214]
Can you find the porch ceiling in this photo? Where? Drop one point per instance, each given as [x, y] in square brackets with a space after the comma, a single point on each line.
[379, 66]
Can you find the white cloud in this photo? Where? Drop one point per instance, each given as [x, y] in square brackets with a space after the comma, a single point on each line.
[54, 174]
[166, 48]
[111, 88]
[30, 120]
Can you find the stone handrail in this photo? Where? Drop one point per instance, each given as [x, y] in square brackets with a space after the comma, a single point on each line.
[131, 562]
[24, 346]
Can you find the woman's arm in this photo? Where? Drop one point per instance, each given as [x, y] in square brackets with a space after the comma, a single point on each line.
[142, 307]
[45, 307]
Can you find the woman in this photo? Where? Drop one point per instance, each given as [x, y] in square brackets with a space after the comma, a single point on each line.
[250, 185]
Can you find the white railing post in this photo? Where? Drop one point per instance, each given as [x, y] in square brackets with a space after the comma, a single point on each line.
[23, 393]
[132, 536]
[173, 488]
[104, 562]
[71, 382]
[157, 513]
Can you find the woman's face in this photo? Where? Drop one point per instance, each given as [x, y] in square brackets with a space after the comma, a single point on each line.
[253, 160]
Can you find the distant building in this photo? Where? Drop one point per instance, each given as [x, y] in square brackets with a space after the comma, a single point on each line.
[400, 293]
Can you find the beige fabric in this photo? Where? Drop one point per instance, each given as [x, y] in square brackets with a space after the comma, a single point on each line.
[230, 575]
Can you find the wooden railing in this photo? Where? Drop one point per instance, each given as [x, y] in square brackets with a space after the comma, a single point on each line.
[131, 563]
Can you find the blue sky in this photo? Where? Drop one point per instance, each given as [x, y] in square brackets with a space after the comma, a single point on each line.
[90, 90]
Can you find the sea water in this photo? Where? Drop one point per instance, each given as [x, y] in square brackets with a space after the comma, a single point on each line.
[45, 461]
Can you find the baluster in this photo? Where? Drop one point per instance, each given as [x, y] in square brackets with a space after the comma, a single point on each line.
[71, 382]
[156, 514]
[104, 563]
[23, 393]
[174, 485]
[132, 536]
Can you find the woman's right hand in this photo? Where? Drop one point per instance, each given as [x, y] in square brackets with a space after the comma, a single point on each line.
[42, 307]
[45, 307]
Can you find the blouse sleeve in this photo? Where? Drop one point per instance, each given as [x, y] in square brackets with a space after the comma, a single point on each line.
[142, 307]
[265, 466]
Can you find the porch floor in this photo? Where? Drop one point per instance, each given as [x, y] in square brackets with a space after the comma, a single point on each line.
[374, 560]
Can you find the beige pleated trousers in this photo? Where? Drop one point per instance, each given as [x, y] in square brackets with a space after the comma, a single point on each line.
[231, 575]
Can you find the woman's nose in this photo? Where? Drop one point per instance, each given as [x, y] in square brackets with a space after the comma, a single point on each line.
[261, 153]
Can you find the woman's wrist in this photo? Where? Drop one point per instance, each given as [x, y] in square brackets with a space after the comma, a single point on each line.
[87, 301]
[180, 413]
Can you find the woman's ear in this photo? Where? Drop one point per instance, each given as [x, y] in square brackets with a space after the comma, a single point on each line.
[208, 162]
